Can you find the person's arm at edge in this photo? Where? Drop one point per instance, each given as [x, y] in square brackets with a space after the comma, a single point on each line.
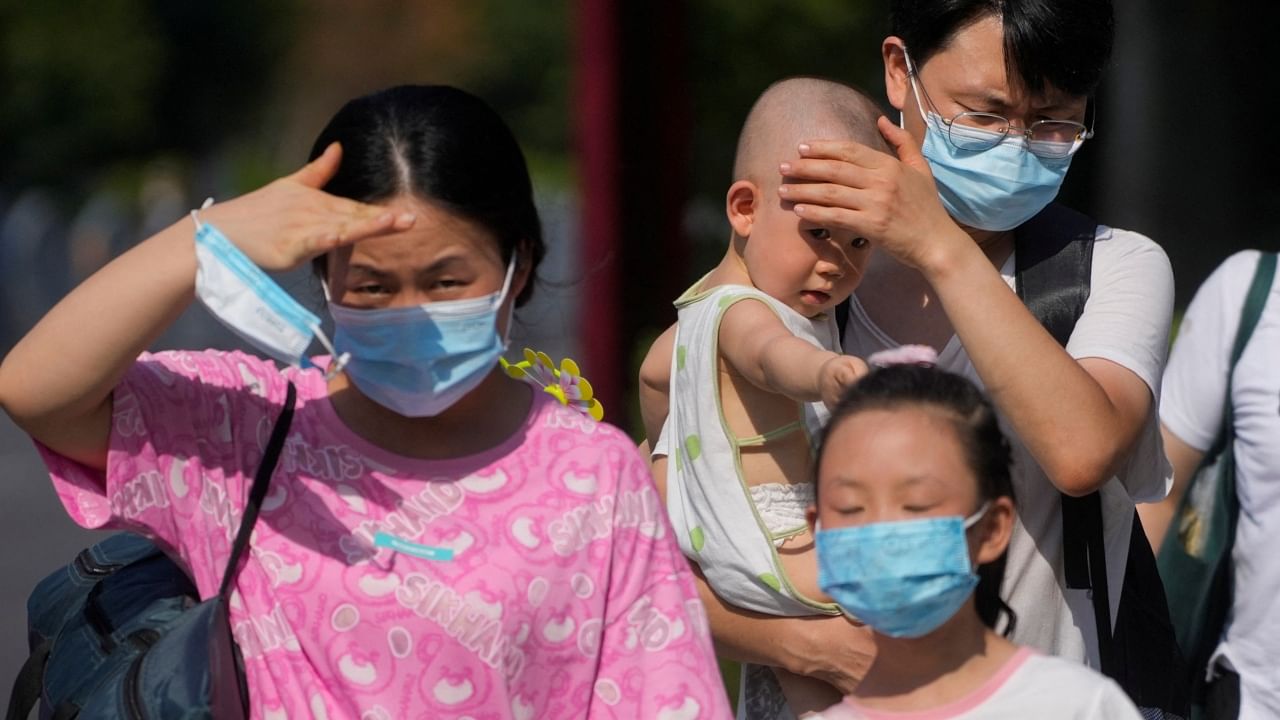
[1158, 517]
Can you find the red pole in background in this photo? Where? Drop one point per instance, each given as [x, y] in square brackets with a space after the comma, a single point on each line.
[597, 148]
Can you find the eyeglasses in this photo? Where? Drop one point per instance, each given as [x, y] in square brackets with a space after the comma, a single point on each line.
[978, 131]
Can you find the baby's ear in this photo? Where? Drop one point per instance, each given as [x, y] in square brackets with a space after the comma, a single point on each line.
[740, 205]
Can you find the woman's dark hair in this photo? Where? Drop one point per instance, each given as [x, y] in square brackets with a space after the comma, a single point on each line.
[446, 147]
[1063, 43]
[974, 421]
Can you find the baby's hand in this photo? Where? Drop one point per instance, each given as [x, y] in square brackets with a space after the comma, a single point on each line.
[836, 375]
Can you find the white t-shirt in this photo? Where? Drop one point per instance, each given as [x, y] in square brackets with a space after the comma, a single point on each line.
[1195, 388]
[1125, 320]
[1028, 686]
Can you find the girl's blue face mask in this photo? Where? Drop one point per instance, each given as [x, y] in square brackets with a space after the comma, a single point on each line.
[996, 189]
[418, 361]
[903, 578]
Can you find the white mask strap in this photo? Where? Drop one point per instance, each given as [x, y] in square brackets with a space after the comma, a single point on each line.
[974, 518]
[506, 288]
[511, 273]
[208, 202]
[337, 361]
[912, 77]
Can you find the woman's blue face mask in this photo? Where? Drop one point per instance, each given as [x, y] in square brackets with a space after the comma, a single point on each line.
[419, 361]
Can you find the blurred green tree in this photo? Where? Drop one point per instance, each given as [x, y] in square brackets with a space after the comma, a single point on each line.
[90, 84]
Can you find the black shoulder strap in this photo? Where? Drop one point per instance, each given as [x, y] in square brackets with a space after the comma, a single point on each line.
[1054, 264]
[1054, 261]
[29, 683]
[258, 492]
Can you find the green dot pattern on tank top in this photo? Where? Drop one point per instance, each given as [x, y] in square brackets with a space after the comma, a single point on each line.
[697, 538]
[693, 446]
[680, 353]
[728, 300]
[771, 580]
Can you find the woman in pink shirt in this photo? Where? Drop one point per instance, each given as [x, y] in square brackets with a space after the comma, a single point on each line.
[438, 539]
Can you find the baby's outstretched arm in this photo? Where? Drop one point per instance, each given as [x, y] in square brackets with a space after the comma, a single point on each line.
[756, 343]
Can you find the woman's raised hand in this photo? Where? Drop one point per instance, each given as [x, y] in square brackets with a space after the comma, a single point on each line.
[889, 200]
[284, 224]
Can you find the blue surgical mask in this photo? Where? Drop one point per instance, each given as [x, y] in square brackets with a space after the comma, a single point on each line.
[995, 189]
[418, 361]
[245, 299]
[904, 578]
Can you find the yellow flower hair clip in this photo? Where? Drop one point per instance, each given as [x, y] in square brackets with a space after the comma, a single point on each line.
[565, 383]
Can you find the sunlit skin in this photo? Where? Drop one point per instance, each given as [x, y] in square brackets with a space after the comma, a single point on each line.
[442, 257]
[808, 267]
[902, 464]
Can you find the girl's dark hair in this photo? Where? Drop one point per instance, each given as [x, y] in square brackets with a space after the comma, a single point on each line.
[446, 147]
[1063, 43]
[976, 427]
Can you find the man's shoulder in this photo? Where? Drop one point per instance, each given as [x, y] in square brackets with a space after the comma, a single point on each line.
[1113, 243]
[1128, 259]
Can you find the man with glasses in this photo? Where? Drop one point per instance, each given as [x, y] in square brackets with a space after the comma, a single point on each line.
[994, 98]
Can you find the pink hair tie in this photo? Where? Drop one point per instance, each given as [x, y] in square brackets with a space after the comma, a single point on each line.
[904, 355]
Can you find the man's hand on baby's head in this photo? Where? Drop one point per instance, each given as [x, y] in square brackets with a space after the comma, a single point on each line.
[836, 375]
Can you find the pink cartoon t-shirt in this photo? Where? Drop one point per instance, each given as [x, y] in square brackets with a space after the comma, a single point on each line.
[566, 594]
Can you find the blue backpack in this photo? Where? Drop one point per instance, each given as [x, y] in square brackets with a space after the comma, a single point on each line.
[121, 631]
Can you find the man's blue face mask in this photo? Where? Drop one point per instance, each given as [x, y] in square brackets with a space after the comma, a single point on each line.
[996, 189]
[903, 578]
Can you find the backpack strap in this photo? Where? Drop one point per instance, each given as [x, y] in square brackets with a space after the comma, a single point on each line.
[1054, 265]
[1254, 302]
[27, 686]
[258, 492]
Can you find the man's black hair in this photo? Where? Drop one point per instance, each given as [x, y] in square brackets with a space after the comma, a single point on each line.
[1065, 44]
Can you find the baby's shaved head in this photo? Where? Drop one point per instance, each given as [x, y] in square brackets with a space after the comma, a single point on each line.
[797, 109]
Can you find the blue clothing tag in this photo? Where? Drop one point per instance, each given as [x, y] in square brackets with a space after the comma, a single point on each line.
[427, 552]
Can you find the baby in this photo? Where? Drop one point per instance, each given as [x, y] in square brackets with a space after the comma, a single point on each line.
[751, 366]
